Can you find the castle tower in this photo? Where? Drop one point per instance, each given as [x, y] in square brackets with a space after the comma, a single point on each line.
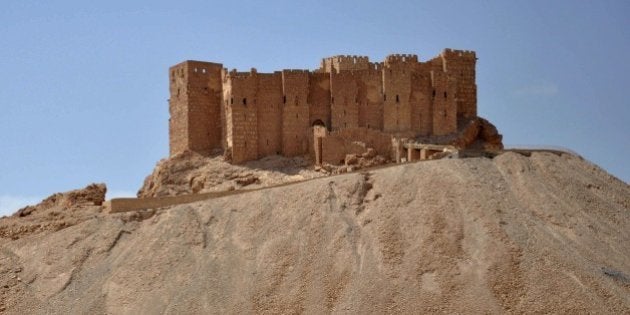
[195, 107]
[397, 70]
[444, 104]
[295, 112]
[241, 114]
[344, 107]
[460, 65]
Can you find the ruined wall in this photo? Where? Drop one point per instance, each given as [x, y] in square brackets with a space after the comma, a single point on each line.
[268, 102]
[195, 107]
[295, 112]
[243, 116]
[336, 144]
[380, 141]
[460, 64]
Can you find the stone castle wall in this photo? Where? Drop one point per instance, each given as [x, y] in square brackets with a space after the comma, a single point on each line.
[251, 115]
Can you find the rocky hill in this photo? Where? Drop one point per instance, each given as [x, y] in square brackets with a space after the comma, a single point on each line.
[546, 233]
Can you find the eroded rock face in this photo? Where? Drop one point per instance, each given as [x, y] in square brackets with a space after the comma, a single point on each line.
[479, 133]
[56, 212]
[91, 195]
[191, 173]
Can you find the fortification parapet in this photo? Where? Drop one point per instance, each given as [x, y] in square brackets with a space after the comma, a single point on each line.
[376, 66]
[241, 74]
[401, 58]
[344, 63]
[295, 71]
[467, 54]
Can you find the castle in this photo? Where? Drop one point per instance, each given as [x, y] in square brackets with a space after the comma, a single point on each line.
[325, 112]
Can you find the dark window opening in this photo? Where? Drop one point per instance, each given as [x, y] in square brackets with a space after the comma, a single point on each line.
[267, 141]
[284, 99]
[245, 101]
[397, 98]
[231, 100]
[384, 97]
[368, 125]
[332, 100]
[433, 93]
[444, 94]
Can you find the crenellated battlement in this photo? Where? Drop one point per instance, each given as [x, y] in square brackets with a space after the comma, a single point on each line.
[448, 52]
[350, 59]
[344, 63]
[296, 71]
[401, 58]
[234, 74]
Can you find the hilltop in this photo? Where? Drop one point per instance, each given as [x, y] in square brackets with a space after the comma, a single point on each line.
[544, 233]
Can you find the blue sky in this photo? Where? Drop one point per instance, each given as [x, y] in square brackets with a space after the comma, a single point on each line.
[84, 87]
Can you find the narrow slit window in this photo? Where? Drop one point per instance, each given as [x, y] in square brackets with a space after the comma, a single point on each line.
[245, 101]
[397, 99]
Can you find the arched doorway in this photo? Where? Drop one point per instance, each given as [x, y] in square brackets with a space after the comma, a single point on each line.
[318, 122]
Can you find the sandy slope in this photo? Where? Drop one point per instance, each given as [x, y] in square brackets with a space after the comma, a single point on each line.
[524, 234]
